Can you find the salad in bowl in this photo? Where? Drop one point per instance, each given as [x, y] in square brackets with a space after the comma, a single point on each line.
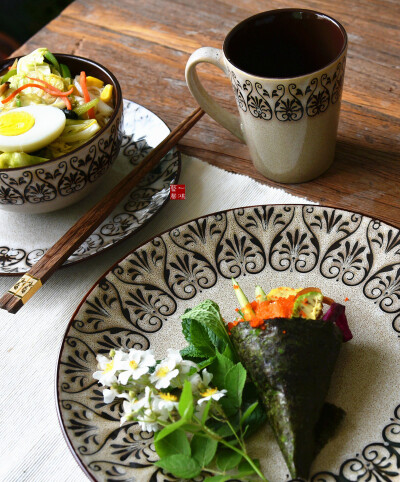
[60, 121]
[46, 112]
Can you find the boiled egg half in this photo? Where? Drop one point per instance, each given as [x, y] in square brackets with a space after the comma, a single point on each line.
[27, 129]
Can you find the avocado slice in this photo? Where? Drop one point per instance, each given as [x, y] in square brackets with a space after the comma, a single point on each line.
[291, 363]
[309, 305]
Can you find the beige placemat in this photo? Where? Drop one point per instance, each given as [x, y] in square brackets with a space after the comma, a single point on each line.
[32, 447]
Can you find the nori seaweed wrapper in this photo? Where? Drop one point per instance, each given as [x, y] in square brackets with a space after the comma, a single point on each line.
[291, 362]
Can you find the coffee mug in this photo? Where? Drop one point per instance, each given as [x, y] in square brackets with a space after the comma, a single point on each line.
[286, 67]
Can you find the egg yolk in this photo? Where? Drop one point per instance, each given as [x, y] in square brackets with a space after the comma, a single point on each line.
[16, 123]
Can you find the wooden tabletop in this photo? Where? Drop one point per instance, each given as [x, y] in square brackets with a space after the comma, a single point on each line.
[146, 43]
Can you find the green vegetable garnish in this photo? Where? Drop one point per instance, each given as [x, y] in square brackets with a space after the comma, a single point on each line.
[50, 57]
[9, 74]
[65, 72]
[82, 109]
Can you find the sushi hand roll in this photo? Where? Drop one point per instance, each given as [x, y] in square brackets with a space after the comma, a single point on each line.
[290, 359]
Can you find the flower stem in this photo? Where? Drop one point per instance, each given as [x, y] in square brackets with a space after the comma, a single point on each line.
[242, 452]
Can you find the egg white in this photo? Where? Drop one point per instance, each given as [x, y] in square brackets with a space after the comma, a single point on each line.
[49, 124]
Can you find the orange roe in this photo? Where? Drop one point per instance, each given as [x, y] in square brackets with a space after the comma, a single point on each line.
[264, 310]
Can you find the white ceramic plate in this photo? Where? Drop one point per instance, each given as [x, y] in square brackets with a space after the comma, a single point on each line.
[25, 238]
[139, 301]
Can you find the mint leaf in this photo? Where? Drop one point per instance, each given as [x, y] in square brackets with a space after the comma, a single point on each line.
[201, 339]
[207, 313]
[203, 449]
[234, 384]
[169, 429]
[185, 407]
[174, 443]
[191, 352]
[219, 368]
[227, 459]
[186, 328]
[181, 466]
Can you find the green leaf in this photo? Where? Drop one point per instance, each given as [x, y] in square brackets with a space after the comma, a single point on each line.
[234, 383]
[248, 412]
[185, 407]
[219, 368]
[219, 478]
[228, 459]
[174, 443]
[181, 466]
[207, 313]
[191, 351]
[169, 429]
[186, 322]
[201, 339]
[256, 419]
[245, 468]
[203, 449]
[205, 363]
[206, 411]
[229, 353]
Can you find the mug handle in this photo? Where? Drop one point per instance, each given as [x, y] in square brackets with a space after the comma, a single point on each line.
[222, 116]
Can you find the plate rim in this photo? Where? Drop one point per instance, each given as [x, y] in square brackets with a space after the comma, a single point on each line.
[81, 464]
[178, 154]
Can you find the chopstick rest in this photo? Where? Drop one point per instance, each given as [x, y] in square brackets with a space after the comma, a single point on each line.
[34, 279]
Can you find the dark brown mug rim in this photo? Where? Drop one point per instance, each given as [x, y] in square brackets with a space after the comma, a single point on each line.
[287, 10]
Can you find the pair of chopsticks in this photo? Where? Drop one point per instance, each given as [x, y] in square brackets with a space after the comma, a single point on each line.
[32, 281]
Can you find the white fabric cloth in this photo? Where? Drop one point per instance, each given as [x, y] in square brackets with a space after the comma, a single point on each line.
[32, 447]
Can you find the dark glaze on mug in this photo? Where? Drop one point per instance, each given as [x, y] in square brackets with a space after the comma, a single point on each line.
[285, 43]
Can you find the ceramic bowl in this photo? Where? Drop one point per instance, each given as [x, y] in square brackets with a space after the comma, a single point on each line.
[67, 179]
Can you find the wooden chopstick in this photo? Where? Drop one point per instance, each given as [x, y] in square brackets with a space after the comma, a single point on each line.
[32, 281]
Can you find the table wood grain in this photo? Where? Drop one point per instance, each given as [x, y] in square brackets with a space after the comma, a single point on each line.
[146, 43]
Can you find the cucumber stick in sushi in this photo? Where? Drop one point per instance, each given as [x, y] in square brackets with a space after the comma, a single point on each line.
[289, 348]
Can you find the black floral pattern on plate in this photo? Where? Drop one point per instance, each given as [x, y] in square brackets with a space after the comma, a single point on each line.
[131, 214]
[138, 303]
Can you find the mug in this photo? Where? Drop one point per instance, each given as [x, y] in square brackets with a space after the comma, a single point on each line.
[286, 67]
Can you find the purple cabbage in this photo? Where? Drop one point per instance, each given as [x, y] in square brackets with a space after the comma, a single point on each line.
[337, 316]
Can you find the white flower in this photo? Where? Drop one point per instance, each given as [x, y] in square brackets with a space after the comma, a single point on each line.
[200, 381]
[165, 402]
[148, 421]
[133, 407]
[108, 368]
[109, 394]
[211, 393]
[136, 365]
[166, 370]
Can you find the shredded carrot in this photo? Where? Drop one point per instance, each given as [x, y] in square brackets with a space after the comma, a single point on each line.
[86, 96]
[56, 91]
[17, 91]
[67, 102]
[346, 299]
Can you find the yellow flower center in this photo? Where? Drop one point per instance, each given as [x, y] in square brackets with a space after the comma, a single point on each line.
[109, 366]
[168, 396]
[208, 392]
[133, 364]
[162, 372]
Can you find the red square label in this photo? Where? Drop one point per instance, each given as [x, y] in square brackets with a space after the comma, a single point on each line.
[177, 191]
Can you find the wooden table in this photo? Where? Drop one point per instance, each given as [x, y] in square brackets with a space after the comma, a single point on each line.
[146, 43]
